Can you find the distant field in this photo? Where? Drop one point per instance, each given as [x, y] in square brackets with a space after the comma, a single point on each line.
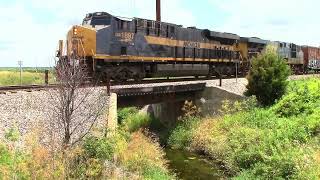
[26, 69]
[11, 76]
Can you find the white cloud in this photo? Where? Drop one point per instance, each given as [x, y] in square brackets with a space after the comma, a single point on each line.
[285, 20]
[22, 37]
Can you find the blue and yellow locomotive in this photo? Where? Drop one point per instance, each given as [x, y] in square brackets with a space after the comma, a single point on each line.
[138, 48]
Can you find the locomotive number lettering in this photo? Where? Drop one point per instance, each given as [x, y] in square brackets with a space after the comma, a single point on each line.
[125, 36]
[191, 44]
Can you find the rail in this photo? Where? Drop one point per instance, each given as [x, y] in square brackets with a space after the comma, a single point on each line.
[113, 84]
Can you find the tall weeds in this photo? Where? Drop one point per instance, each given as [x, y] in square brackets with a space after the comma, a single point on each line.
[279, 142]
[131, 153]
[13, 78]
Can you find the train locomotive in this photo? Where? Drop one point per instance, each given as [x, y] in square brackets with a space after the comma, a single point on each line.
[124, 49]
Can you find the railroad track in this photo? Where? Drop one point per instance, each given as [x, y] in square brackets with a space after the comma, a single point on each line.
[29, 88]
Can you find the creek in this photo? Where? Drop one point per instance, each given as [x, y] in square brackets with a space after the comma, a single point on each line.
[191, 166]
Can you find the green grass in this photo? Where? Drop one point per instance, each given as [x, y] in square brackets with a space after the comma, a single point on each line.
[12, 77]
[26, 69]
[278, 142]
[132, 120]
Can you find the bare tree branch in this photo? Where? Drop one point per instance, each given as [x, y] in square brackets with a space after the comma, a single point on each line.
[75, 108]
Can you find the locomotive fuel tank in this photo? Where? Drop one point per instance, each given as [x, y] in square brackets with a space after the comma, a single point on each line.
[166, 70]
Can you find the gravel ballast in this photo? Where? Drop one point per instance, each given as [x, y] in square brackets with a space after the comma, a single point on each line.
[31, 111]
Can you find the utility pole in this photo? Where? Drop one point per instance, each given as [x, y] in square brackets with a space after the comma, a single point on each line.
[237, 71]
[158, 9]
[237, 64]
[20, 64]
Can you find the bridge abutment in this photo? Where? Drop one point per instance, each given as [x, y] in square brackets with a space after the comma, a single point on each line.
[112, 114]
[167, 112]
[211, 99]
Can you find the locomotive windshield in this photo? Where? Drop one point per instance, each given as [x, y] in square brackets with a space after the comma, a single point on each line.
[97, 19]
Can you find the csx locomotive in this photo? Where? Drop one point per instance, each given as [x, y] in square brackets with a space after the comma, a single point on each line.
[122, 49]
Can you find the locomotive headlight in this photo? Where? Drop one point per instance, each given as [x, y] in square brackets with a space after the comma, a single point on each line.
[75, 31]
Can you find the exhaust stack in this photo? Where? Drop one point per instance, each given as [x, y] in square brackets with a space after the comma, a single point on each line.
[158, 10]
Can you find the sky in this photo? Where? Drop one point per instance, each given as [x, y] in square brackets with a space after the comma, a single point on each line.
[30, 29]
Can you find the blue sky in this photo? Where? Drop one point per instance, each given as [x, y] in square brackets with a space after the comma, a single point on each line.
[30, 29]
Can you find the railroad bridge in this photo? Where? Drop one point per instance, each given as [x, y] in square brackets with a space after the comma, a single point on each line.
[165, 101]
[140, 96]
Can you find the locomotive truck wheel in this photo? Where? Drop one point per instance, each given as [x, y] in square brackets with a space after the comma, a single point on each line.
[229, 71]
[211, 72]
[122, 75]
[138, 77]
[218, 71]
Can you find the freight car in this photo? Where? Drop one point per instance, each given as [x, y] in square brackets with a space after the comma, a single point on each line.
[136, 48]
[311, 58]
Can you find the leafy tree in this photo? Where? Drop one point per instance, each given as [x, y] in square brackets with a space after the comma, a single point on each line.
[267, 79]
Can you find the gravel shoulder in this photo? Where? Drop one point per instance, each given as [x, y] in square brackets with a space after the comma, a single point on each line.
[34, 111]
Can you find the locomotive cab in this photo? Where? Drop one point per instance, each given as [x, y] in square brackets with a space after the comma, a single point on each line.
[97, 19]
[251, 47]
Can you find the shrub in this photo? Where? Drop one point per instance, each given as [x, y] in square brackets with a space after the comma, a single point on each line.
[99, 148]
[146, 157]
[125, 113]
[210, 139]
[137, 121]
[267, 79]
[181, 136]
[13, 164]
[132, 120]
[123, 155]
[31, 162]
[189, 109]
[247, 104]
[134, 152]
[301, 99]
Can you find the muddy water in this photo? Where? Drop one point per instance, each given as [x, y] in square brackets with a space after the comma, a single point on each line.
[190, 166]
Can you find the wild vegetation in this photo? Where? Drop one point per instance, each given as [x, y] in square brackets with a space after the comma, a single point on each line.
[11, 76]
[277, 142]
[267, 79]
[130, 153]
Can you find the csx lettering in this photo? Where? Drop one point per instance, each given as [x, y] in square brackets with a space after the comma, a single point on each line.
[125, 36]
[191, 44]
